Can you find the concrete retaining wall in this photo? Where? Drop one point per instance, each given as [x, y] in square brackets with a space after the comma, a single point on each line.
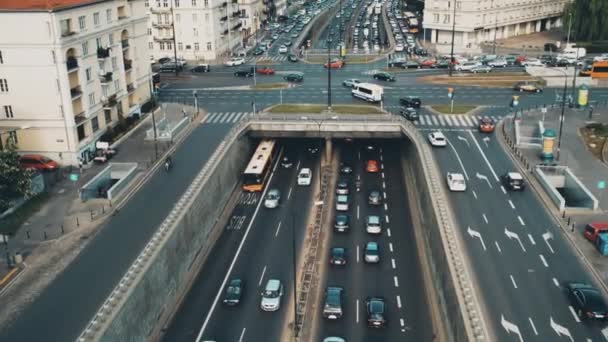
[126, 173]
[547, 182]
[552, 178]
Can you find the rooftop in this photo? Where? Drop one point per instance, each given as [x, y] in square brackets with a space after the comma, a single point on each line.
[42, 5]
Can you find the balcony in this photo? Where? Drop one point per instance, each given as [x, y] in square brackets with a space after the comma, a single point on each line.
[128, 64]
[224, 18]
[163, 39]
[161, 25]
[105, 77]
[76, 93]
[67, 33]
[236, 14]
[237, 26]
[72, 64]
[224, 4]
[124, 43]
[109, 102]
[80, 117]
[130, 88]
[158, 10]
[103, 53]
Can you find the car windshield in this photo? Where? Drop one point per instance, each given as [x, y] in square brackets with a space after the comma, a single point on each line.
[458, 181]
[233, 290]
[272, 195]
[342, 199]
[337, 252]
[595, 302]
[438, 138]
[271, 294]
[372, 248]
[373, 219]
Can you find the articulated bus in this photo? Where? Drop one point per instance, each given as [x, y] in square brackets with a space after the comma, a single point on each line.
[258, 170]
[599, 69]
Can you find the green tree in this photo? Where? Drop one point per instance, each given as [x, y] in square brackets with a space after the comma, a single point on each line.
[15, 182]
[589, 20]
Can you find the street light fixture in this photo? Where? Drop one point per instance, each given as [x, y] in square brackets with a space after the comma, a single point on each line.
[320, 123]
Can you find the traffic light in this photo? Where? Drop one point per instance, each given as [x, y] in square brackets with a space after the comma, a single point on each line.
[515, 101]
[451, 93]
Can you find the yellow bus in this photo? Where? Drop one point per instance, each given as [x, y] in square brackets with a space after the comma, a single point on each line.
[258, 169]
[599, 69]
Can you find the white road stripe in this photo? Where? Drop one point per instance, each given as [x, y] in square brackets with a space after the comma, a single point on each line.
[211, 116]
[388, 232]
[485, 218]
[513, 281]
[230, 116]
[442, 120]
[503, 189]
[497, 246]
[385, 206]
[576, 318]
[511, 204]
[555, 282]
[386, 218]
[533, 327]
[357, 254]
[262, 276]
[398, 301]
[434, 120]
[393, 263]
[544, 261]
[474, 194]
[242, 335]
[396, 281]
[448, 121]
[289, 193]
[402, 322]
[390, 247]
[521, 220]
[531, 239]
[357, 319]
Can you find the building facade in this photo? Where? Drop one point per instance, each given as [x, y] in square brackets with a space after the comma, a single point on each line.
[72, 68]
[204, 30]
[479, 21]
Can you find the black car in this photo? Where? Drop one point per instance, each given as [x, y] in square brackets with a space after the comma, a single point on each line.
[342, 187]
[234, 291]
[341, 223]
[164, 60]
[411, 64]
[374, 197]
[409, 101]
[244, 73]
[375, 312]
[288, 43]
[201, 68]
[337, 256]
[384, 76]
[346, 169]
[397, 63]
[258, 52]
[294, 78]
[409, 113]
[587, 301]
[292, 58]
[286, 162]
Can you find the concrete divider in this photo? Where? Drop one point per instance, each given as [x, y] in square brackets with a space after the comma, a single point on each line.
[574, 195]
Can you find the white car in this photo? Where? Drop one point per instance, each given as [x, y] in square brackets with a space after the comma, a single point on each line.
[271, 296]
[304, 177]
[532, 62]
[342, 203]
[498, 63]
[437, 139]
[399, 47]
[235, 61]
[456, 182]
[282, 49]
[272, 199]
[468, 66]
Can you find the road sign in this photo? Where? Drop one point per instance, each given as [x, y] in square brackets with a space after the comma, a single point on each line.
[543, 110]
[601, 185]
[74, 177]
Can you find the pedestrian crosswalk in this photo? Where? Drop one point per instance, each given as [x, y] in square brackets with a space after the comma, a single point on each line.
[257, 59]
[424, 120]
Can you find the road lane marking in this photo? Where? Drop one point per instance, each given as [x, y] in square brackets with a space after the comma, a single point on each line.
[497, 246]
[357, 254]
[555, 282]
[298, 166]
[385, 206]
[511, 204]
[544, 261]
[278, 228]
[576, 318]
[386, 218]
[399, 301]
[381, 158]
[504, 191]
[388, 232]
[242, 335]
[466, 175]
[262, 276]
[357, 319]
[383, 185]
[357, 212]
[289, 194]
[396, 281]
[474, 194]
[533, 327]
[483, 155]
[521, 220]
[513, 281]
[485, 218]
[531, 239]
[382, 175]
[390, 247]
[384, 193]
[393, 263]
[402, 322]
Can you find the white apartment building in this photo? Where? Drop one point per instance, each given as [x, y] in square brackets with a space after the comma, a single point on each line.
[480, 21]
[205, 30]
[69, 70]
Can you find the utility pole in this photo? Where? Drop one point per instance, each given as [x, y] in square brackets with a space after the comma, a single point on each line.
[569, 28]
[574, 77]
[295, 276]
[495, 30]
[177, 65]
[451, 66]
[561, 118]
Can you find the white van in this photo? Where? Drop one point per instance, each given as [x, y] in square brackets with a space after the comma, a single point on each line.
[368, 92]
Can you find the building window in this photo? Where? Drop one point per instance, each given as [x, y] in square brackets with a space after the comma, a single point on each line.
[91, 99]
[436, 17]
[446, 18]
[88, 74]
[458, 4]
[1, 60]
[146, 3]
[206, 3]
[109, 15]
[206, 17]
[167, 19]
[169, 46]
[95, 124]
[8, 111]
[180, 46]
[114, 64]
[165, 3]
[108, 115]
[151, 45]
[195, 32]
[85, 48]
[193, 3]
[98, 42]
[194, 17]
[111, 38]
[196, 47]
[3, 85]
[208, 46]
[161, 45]
[12, 136]
[176, 3]
[82, 22]
[178, 17]
[117, 85]
[157, 3]
[96, 18]
[187, 47]
[149, 32]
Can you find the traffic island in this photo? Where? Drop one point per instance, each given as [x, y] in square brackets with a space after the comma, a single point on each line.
[271, 86]
[490, 80]
[322, 109]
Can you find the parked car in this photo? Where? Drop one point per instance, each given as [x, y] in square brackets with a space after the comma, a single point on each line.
[37, 162]
[384, 76]
[201, 68]
[103, 152]
[428, 63]
[410, 101]
[235, 61]
[334, 64]
[481, 69]
[594, 229]
[234, 292]
[498, 63]
[170, 67]
[294, 77]
[467, 66]
[244, 73]
[587, 301]
[412, 64]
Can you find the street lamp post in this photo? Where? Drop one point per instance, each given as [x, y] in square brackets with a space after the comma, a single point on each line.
[320, 123]
[451, 66]
[195, 95]
[561, 118]
[328, 75]
[295, 277]
[569, 27]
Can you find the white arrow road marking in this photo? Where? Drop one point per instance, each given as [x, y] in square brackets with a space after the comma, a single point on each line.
[465, 140]
[533, 326]
[486, 140]
[546, 237]
[510, 327]
[483, 155]
[560, 331]
[512, 235]
[474, 233]
[484, 177]
[503, 190]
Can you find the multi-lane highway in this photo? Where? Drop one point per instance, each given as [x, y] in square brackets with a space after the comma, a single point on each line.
[520, 259]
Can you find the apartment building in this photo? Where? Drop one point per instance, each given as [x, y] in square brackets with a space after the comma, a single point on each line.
[479, 21]
[204, 30]
[69, 69]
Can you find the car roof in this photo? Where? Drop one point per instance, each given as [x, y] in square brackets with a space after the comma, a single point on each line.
[457, 176]
[599, 225]
[515, 175]
[273, 284]
[371, 245]
[438, 134]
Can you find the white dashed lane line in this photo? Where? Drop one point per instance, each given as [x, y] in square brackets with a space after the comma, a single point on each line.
[544, 261]
[390, 247]
[393, 263]
[511, 204]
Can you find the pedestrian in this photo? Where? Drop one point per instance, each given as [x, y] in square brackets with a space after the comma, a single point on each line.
[80, 164]
[590, 111]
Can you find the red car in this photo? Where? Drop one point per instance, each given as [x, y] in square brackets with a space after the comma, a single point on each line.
[371, 166]
[335, 64]
[593, 229]
[37, 162]
[428, 63]
[486, 125]
[265, 71]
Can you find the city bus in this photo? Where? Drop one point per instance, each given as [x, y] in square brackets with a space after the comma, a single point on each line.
[368, 91]
[258, 170]
[599, 69]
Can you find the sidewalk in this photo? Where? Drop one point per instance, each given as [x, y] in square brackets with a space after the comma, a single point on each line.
[588, 169]
[64, 221]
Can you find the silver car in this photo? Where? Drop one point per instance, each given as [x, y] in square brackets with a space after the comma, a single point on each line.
[372, 252]
[272, 198]
[271, 297]
[372, 224]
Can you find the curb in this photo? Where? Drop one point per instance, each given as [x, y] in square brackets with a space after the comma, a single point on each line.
[7, 281]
